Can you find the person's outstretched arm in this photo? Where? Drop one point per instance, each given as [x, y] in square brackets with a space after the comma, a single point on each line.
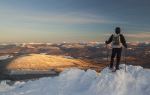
[109, 40]
[123, 41]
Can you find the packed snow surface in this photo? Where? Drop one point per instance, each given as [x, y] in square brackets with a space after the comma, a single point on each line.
[135, 81]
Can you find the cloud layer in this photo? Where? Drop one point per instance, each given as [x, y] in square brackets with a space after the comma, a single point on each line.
[139, 35]
[65, 17]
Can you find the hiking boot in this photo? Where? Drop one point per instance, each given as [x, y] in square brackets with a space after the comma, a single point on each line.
[117, 68]
[111, 65]
[110, 68]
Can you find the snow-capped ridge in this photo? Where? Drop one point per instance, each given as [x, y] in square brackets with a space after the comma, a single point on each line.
[135, 81]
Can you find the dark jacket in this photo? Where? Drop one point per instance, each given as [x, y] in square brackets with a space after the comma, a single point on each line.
[122, 39]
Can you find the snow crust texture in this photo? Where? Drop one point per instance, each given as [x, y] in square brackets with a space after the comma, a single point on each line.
[136, 81]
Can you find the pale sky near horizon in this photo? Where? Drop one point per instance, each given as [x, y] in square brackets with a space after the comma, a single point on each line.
[73, 20]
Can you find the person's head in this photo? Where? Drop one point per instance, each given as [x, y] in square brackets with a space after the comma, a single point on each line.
[117, 30]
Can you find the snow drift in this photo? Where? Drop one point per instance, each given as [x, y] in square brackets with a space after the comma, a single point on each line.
[136, 81]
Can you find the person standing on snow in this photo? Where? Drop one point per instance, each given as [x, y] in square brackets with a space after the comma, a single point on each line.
[117, 40]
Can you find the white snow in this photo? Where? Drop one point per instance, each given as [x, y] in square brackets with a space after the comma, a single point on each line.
[4, 57]
[68, 57]
[136, 81]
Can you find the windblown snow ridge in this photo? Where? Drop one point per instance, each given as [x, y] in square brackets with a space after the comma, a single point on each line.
[136, 81]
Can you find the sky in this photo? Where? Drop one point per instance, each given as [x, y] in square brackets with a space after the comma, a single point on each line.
[73, 20]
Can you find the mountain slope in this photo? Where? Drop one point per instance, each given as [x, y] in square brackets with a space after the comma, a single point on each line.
[43, 62]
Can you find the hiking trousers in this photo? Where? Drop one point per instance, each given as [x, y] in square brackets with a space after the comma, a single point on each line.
[116, 52]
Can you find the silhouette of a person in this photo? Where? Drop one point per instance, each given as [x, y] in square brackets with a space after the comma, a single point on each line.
[117, 40]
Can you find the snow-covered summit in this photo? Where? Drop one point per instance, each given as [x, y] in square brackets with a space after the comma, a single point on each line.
[136, 81]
